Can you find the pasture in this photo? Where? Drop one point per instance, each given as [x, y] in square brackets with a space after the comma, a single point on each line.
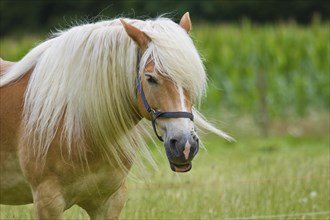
[252, 177]
[284, 176]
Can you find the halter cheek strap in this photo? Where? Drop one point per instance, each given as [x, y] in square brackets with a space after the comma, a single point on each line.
[157, 114]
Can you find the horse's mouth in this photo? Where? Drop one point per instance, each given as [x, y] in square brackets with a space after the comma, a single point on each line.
[181, 167]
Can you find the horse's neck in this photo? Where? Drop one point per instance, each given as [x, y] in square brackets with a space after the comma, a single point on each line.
[5, 65]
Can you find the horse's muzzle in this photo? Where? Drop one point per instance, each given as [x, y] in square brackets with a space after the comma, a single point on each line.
[181, 150]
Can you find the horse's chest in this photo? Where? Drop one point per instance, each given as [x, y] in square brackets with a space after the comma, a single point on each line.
[97, 183]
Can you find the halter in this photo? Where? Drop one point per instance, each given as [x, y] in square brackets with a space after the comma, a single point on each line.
[153, 113]
[157, 114]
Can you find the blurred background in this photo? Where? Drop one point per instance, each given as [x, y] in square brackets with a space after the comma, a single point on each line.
[268, 68]
[268, 61]
[36, 15]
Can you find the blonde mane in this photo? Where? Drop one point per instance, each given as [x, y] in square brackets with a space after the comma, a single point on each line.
[84, 79]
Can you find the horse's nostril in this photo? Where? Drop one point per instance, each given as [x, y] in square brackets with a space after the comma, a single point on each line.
[173, 142]
[195, 137]
[174, 149]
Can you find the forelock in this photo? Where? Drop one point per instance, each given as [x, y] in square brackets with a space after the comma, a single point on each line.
[175, 56]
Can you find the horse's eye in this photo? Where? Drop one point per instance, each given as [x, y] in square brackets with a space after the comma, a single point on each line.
[151, 79]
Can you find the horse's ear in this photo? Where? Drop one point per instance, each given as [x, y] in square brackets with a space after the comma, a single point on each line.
[185, 22]
[138, 36]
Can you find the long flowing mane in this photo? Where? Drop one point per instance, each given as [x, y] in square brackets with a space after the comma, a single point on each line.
[83, 81]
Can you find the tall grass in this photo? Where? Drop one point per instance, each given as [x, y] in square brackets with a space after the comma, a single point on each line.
[293, 60]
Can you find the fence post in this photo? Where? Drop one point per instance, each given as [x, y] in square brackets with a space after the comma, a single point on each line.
[263, 120]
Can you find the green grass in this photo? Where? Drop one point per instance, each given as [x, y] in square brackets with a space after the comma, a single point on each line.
[252, 177]
[293, 59]
[13, 48]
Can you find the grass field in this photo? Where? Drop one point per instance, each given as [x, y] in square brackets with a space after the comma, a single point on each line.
[252, 177]
[285, 176]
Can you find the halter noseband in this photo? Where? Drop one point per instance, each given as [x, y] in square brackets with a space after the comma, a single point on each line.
[157, 114]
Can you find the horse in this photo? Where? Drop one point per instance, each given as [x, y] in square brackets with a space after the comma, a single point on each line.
[71, 112]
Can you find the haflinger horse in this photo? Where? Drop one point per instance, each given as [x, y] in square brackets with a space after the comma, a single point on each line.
[70, 112]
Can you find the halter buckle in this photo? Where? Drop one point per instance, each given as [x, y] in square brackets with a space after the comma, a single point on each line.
[152, 113]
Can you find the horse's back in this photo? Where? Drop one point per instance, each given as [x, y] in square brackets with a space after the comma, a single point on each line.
[5, 65]
[11, 108]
